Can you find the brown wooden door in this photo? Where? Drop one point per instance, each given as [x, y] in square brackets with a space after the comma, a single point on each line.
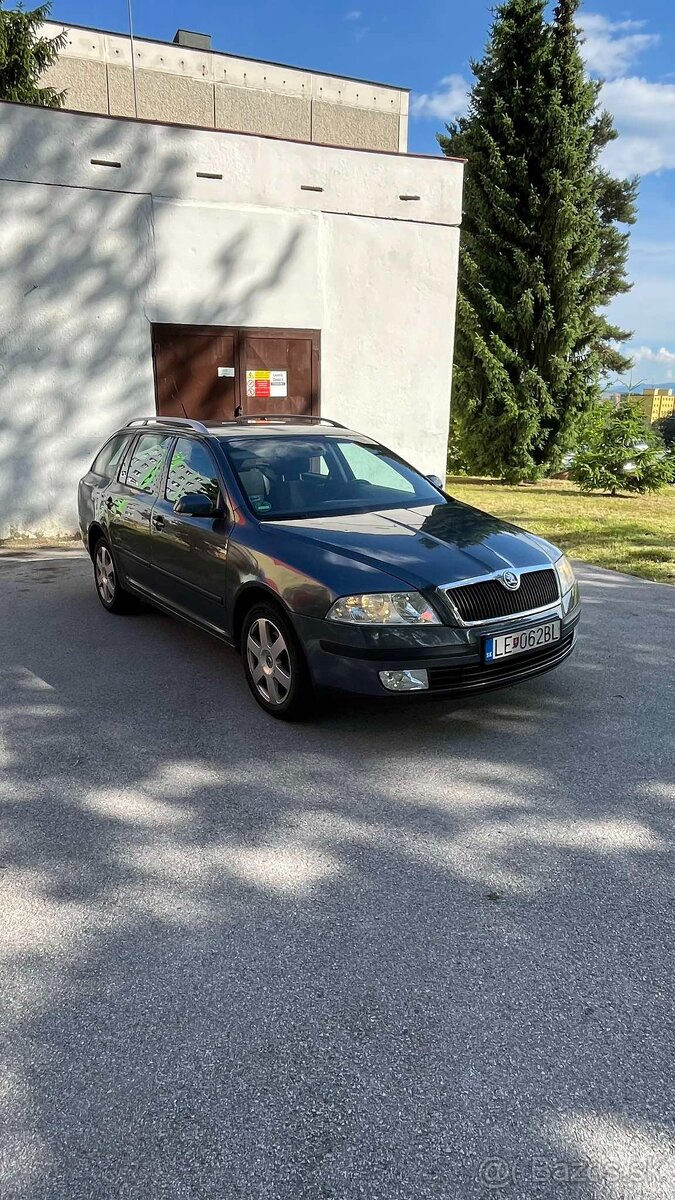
[288, 363]
[195, 372]
[214, 374]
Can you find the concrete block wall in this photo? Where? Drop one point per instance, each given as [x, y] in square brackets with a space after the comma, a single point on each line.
[200, 87]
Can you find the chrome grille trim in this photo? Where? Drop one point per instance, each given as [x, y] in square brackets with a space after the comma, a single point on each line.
[494, 576]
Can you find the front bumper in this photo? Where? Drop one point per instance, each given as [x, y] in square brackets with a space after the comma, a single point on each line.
[349, 658]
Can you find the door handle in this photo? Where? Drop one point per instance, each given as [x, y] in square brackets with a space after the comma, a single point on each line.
[158, 522]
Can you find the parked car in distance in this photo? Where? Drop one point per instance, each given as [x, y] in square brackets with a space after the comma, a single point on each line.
[326, 560]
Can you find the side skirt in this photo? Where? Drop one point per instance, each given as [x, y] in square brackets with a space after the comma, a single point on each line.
[159, 602]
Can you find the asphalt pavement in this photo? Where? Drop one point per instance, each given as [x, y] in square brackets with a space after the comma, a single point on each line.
[401, 953]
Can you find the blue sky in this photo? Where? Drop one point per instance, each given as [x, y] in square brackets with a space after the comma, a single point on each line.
[427, 47]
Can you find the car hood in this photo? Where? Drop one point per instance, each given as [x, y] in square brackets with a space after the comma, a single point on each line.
[432, 544]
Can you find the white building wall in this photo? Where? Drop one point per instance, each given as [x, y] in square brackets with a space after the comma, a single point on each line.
[93, 255]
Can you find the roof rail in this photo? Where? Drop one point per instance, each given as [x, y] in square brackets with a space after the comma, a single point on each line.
[287, 419]
[181, 422]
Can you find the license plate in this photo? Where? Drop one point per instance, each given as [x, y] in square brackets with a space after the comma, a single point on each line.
[517, 643]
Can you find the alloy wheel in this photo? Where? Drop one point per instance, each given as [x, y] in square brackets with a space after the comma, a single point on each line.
[269, 661]
[105, 574]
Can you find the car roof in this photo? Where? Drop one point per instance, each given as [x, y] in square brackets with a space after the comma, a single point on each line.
[254, 427]
[257, 431]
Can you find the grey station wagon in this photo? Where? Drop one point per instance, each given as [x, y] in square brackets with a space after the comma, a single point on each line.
[326, 560]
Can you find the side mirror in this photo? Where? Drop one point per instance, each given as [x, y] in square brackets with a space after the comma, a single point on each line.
[196, 504]
[435, 481]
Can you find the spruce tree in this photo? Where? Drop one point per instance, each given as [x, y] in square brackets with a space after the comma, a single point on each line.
[620, 452]
[25, 54]
[541, 253]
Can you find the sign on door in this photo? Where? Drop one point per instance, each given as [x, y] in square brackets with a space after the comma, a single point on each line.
[266, 384]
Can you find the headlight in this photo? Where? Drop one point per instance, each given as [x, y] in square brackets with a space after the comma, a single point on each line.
[566, 576]
[384, 608]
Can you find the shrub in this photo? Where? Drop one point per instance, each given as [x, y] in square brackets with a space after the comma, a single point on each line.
[619, 452]
[666, 428]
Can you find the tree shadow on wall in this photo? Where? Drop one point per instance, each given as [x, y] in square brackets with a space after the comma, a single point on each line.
[79, 277]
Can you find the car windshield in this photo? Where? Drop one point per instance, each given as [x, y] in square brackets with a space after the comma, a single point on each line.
[297, 476]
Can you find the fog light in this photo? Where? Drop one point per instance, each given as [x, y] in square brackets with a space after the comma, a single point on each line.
[404, 681]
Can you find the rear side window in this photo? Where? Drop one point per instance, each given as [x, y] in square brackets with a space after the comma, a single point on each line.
[144, 466]
[109, 458]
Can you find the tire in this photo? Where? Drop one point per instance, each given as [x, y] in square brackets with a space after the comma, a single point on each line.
[274, 664]
[113, 597]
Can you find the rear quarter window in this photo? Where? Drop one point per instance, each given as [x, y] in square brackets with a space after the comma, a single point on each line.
[109, 458]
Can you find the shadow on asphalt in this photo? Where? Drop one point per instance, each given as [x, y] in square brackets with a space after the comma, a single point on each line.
[357, 957]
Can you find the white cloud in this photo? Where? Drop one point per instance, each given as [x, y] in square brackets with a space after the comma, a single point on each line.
[646, 354]
[644, 113]
[643, 110]
[611, 46]
[650, 366]
[447, 102]
[354, 14]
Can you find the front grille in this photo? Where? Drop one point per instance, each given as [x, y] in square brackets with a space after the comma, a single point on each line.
[484, 674]
[489, 598]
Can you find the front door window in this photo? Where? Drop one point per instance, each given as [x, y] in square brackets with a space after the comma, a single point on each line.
[192, 469]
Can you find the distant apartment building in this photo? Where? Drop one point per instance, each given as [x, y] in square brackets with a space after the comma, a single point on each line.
[657, 403]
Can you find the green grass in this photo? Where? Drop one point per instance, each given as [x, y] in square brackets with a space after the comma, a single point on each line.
[635, 534]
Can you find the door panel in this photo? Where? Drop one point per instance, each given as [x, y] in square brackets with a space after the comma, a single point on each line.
[189, 553]
[129, 503]
[290, 354]
[190, 377]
